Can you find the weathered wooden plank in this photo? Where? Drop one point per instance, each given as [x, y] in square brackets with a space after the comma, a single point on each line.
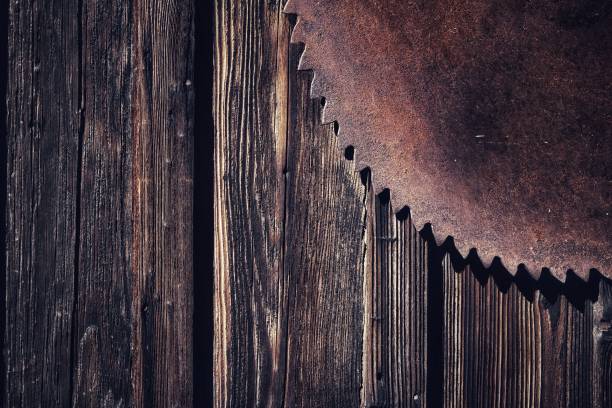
[43, 156]
[602, 351]
[99, 253]
[102, 324]
[490, 348]
[396, 299]
[324, 258]
[289, 225]
[162, 206]
[503, 349]
[250, 111]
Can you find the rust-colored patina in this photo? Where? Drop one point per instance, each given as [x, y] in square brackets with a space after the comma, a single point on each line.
[491, 119]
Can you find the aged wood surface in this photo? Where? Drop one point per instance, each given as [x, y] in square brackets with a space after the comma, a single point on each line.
[289, 317]
[324, 296]
[99, 293]
[504, 349]
[395, 307]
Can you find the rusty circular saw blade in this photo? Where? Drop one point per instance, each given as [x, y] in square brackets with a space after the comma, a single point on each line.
[490, 119]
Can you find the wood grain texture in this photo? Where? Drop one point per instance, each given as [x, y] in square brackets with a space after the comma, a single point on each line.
[324, 259]
[503, 349]
[99, 293]
[162, 114]
[602, 351]
[395, 332]
[103, 278]
[43, 155]
[250, 119]
[278, 253]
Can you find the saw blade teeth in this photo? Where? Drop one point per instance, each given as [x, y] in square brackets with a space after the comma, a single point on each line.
[292, 7]
[317, 90]
[461, 246]
[582, 273]
[298, 34]
[559, 277]
[486, 258]
[330, 112]
[512, 268]
[532, 269]
[439, 236]
[306, 60]
[417, 222]
[343, 144]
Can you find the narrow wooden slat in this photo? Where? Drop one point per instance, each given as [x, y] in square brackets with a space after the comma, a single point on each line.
[162, 190]
[102, 311]
[324, 259]
[250, 110]
[396, 298]
[41, 221]
[602, 351]
[567, 346]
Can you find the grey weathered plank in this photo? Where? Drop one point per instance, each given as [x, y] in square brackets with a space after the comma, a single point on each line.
[99, 292]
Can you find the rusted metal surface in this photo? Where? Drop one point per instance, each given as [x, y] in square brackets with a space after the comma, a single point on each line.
[492, 120]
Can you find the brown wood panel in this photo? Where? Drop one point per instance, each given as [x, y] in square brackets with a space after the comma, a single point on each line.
[502, 348]
[161, 202]
[251, 108]
[324, 259]
[102, 332]
[395, 307]
[99, 292]
[289, 216]
[42, 170]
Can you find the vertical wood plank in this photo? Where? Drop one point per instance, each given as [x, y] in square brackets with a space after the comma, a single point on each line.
[43, 133]
[162, 206]
[102, 324]
[503, 349]
[251, 111]
[567, 353]
[602, 351]
[99, 210]
[289, 217]
[324, 259]
[395, 345]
